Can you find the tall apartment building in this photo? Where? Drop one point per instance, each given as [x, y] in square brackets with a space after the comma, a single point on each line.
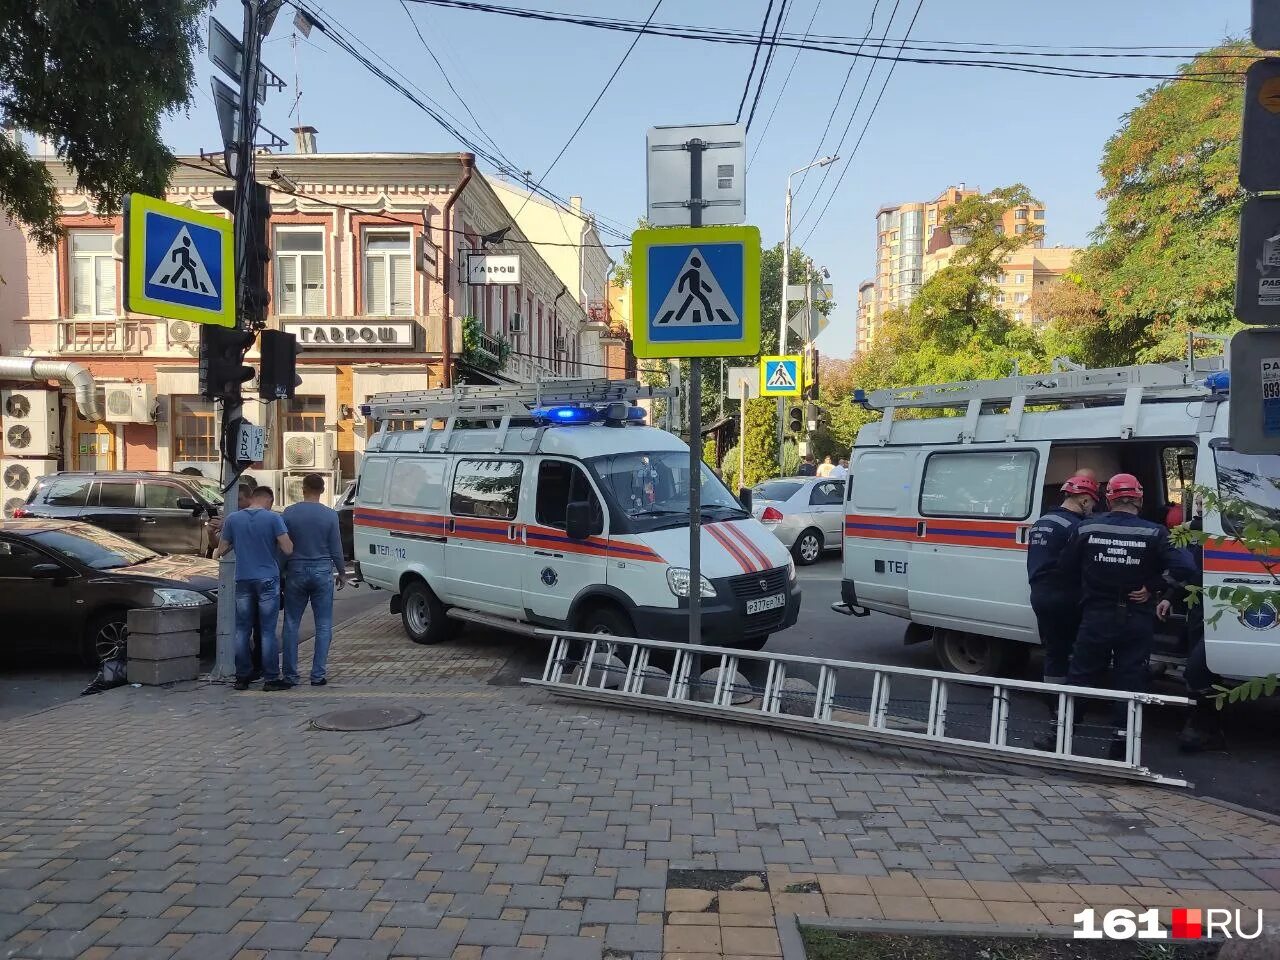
[906, 232]
[868, 316]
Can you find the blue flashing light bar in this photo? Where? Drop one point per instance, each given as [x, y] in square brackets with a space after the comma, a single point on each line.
[567, 414]
[1219, 382]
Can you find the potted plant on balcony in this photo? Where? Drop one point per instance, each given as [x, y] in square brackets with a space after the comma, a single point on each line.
[481, 350]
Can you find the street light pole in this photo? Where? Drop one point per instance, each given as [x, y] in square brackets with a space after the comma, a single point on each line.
[786, 279]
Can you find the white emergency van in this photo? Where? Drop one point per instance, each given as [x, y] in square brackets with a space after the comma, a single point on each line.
[938, 509]
[555, 506]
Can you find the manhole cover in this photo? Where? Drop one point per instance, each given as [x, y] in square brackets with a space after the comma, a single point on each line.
[367, 718]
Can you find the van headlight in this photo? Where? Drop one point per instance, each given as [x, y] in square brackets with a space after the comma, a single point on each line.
[168, 597]
[678, 581]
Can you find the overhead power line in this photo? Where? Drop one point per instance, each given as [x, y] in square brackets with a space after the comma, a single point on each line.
[841, 46]
[594, 103]
[755, 57]
[862, 134]
[783, 89]
[768, 62]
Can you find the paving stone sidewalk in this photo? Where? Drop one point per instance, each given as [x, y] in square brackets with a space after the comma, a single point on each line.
[197, 822]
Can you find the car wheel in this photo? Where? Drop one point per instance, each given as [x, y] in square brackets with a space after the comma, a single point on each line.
[105, 638]
[974, 654]
[808, 547]
[422, 614]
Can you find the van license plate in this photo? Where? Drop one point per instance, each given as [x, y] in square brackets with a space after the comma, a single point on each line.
[766, 603]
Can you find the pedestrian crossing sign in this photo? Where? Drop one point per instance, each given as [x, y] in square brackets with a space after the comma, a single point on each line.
[179, 262]
[695, 292]
[780, 376]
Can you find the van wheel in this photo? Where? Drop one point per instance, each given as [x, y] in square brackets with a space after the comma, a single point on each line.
[970, 653]
[808, 547]
[605, 619]
[422, 614]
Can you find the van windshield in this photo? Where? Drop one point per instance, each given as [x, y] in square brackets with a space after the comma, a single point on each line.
[652, 489]
[1253, 482]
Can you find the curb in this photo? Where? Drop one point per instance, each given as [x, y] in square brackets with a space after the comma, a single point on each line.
[793, 945]
[1269, 817]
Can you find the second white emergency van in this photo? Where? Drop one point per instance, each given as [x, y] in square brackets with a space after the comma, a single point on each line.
[938, 509]
[555, 506]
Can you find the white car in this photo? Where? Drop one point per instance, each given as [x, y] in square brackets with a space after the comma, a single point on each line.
[805, 513]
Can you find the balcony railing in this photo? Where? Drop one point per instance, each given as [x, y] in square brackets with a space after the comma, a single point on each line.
[120, 337]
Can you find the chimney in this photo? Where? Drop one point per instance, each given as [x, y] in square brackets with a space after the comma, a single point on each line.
[575, 203]
[962, 186]
[304, 139]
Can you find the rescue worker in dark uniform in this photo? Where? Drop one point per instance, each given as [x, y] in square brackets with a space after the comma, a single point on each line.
[1055, 597]
[1119, 560]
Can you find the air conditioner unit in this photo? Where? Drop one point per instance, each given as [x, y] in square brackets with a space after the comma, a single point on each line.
[29, 419]
[18, 478]
[292, 484]
[184, 333]
[307, 451]
[209, 469]
[516, 323]
[130, 402]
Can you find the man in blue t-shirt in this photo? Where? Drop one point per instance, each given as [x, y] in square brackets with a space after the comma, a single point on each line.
[258, 536]
[316, 568]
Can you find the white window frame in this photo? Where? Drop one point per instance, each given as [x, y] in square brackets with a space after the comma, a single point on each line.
[297, 256]
[367, 234]
[95, 258]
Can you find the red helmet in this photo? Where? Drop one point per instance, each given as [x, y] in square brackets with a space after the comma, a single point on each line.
[1124, 486]
[1081, 484]
[1173, 516]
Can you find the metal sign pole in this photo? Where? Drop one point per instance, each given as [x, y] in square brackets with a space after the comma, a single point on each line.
[695, 432]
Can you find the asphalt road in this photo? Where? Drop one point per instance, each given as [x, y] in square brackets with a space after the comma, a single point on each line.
[1243, 774]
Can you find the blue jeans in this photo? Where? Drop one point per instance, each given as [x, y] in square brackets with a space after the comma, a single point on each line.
[309, 581]
[260, 597]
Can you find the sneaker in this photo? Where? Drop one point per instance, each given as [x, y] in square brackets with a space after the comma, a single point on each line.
[322, 682]
[241, 683]
[272, 685]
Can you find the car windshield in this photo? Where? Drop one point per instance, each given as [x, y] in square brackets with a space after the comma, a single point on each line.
[209, 492]
[652, 489]
[99, 549]
[776, 490]
[1254, 483]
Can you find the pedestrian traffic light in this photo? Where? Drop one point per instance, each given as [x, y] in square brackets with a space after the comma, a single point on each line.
[222, 366]
[795, 419]
[251, 286]
[815, 416]
[279, 378]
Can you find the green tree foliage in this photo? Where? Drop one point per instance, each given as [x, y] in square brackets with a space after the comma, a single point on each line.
[1163, 260]
[761, 441]
[94, 79]
[952, 330]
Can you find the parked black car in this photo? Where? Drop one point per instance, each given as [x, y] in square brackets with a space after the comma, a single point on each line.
[67, 587]
[167, 512]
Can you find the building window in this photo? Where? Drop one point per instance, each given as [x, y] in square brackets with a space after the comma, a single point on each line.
[93, 274]
[1019, 278]
[1037, 215]
[299, 257]
[1020, 228]
[388, 273]
[999, 298]
[1017, 315]
[195, 429]
[304, 415]
[1000, 277]
[1020, 298]
[1020, 214]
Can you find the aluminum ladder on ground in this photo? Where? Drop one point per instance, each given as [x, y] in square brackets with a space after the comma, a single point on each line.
[622, 674]
[1066, 383]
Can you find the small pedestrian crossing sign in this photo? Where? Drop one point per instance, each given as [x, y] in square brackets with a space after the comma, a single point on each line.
[780, 377]
[696, 292]
[179, 263]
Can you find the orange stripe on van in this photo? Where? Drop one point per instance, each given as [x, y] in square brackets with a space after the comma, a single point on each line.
[745, 541]
[732, 549]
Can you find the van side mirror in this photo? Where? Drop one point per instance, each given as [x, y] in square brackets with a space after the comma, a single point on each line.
[189, 503]
[744, 498]
[577, 520]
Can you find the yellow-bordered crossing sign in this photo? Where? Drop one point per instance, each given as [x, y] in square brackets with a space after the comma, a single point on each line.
[179, 263]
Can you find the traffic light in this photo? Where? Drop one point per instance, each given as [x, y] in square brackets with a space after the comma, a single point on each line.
[811, 374]
[222, 366]
[815, 416]
[795, 419]
[279, 377]
[254, 295]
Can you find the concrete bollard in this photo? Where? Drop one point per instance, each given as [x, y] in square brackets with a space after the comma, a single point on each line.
[163, 645]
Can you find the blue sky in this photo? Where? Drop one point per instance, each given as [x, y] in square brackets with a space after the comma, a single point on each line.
[529, 84]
